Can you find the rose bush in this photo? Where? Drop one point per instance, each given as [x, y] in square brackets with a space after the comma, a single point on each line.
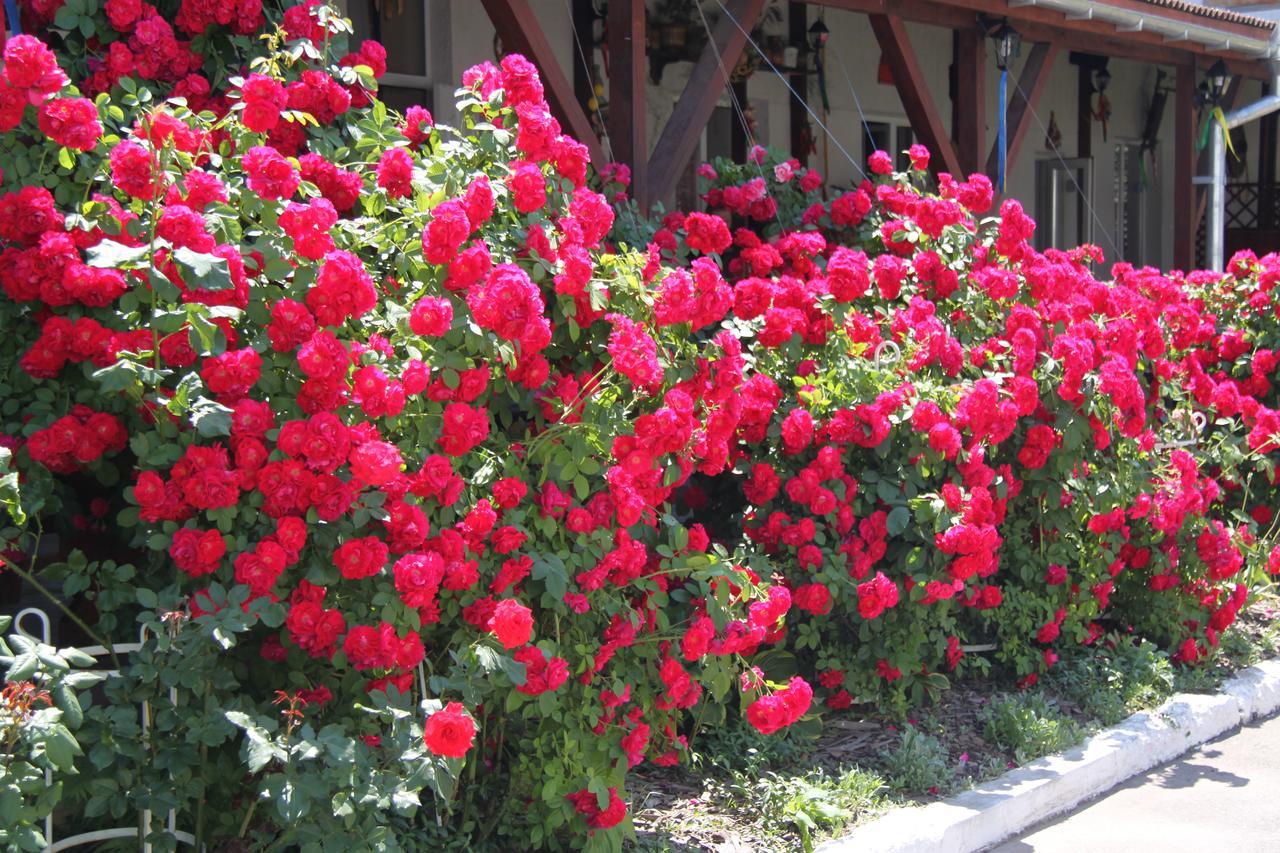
[426, 472]
[969, 442]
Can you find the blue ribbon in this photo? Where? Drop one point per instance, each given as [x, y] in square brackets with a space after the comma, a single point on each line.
[11, 13]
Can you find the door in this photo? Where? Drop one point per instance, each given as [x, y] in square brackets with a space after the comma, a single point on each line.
[1063, 192]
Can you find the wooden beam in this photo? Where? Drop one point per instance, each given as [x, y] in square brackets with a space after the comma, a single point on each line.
[1184, 162]
[913, 90]
[969, 113]
[1021, 112]
[627, 88]
[698, 100]
[517, 26]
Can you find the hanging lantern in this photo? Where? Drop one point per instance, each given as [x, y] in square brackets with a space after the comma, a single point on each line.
[818, 34]
[1216, 79]
[1008, 44]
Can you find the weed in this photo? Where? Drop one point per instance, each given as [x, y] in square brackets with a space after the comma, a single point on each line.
[1029, 725]
[736, 747]
[918, 764]
[815, 804]
[1112, 680]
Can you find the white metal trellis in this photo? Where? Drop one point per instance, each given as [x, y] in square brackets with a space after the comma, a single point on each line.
[143, 827]
[1197, 422]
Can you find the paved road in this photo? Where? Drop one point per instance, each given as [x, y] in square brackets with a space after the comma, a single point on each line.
[1223, 796]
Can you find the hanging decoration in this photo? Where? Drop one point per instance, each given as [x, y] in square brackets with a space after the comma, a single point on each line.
[1053, 135]
[1102, 114]
[1151, 129]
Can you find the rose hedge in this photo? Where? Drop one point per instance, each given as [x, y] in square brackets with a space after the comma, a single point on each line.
[420, 479]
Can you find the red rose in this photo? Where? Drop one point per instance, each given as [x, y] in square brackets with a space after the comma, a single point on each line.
[376, 463]
[706, 233]
[444, 235]
[511, 623]
[263, 99]
[72, 122]
[528, 186]
[360, 558]
[464, 428]
[449, 732]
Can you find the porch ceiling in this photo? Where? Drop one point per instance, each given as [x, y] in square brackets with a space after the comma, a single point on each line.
[1237, 37]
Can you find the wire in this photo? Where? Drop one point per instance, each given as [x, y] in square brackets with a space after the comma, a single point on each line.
[857, 102]
[604, 127]
[1093, 214]
[787, 83]
[742, 116]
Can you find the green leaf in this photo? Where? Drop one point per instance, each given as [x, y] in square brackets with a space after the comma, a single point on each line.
[899, 518]
[210, 418]
[207, 272]
[112, 255]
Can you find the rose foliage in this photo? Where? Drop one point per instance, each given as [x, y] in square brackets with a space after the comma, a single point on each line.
[447, 489]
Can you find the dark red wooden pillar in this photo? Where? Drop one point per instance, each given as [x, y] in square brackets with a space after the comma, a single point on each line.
[1184, 162]
[969, 104]
[798, 34]
[627, 107]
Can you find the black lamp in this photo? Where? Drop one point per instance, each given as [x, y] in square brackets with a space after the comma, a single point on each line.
[818, 33]
[1008, 44]
[1101, 79]
[1217, 78]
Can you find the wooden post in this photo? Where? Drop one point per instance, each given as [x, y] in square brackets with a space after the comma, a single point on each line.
[627, 82]
[913, 90]
[969, 104]
[798, 34]
[518, 27]
[1084, 110]
[583, 21]
[1184, 161]
[1267, 141]
[689, 117]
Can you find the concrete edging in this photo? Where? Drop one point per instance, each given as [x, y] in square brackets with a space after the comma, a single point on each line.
[1050, 786]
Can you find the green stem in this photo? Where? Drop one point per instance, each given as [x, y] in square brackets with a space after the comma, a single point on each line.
[43, 590]
[244, 824]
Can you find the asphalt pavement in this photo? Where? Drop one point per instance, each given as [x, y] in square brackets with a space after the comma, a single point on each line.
[1221, 796]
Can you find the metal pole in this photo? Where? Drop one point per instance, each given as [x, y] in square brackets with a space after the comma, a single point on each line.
[1216, 235]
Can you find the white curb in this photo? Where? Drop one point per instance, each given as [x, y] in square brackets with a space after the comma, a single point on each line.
[1003, 807]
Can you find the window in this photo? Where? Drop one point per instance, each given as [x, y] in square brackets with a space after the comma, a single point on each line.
[403, 29]
[890, 136]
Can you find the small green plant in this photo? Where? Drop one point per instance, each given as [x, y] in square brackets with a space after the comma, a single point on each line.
[918, 764]
[1029, 725]
[40, 707]
[815, 804]
[1112, 681]
[736, 747]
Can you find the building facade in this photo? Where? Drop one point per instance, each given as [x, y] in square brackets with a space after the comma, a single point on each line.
[1106, 104]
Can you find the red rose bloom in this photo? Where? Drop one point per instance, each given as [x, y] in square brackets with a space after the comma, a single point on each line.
[376, 463]
[72, 122]
[511, 623]
[706, 233]
[449, 732]
[263, 99]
